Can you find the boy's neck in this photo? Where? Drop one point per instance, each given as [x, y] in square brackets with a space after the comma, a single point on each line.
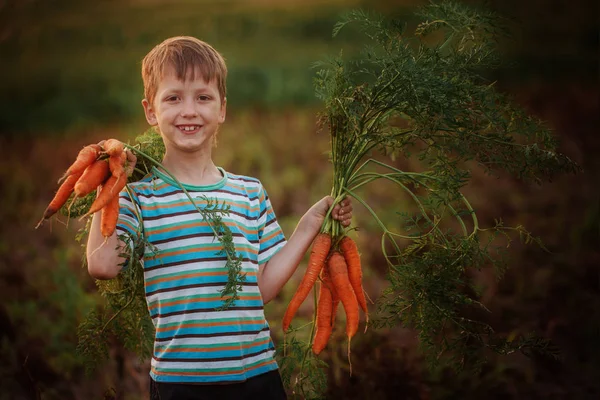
[192, 169]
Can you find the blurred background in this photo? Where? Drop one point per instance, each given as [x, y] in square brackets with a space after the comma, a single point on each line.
[70, 76]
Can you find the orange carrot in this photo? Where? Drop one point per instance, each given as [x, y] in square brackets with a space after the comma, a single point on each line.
[116, 164]
[324, 313]
[335, 299]
[84, 159]
[93, 176]
[339, 276]
[113, 147]
[352, 257]
[60, 198]
[111, 188]
[109, 217]
[316, 261]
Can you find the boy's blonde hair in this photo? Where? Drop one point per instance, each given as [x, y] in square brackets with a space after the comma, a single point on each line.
[185, 54]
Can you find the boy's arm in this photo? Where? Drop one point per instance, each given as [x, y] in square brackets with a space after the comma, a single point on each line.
[273, 274]
[103, 259]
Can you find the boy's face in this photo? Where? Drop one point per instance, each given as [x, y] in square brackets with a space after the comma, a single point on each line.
[187, 113]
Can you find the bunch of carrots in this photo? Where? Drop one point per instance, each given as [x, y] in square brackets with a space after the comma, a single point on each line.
[101, 165]
[336, 264]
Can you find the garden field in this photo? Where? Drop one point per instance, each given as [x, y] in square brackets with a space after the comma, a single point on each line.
[70, 77]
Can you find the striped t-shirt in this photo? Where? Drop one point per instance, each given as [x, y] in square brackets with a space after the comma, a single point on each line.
[184, 273]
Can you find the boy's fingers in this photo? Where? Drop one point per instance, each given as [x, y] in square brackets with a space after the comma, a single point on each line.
[130, 156]
[338, 211]
[341, 211]
[131, 160]
[346, 209]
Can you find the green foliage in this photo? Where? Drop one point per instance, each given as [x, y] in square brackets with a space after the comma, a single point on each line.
[213, 212]
[404, 94]
[77, 206]
[310, 382]
[423, 95]
[151, 143]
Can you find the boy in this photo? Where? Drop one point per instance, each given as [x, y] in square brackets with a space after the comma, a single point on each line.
[201, 351]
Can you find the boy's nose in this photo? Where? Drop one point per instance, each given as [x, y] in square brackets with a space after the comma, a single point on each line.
[189, 109]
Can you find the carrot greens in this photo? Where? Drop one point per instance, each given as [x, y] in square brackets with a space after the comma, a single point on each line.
[423, 96]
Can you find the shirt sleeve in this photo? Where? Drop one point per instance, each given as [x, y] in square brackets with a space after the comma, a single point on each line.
[270, 236]
[128, 223]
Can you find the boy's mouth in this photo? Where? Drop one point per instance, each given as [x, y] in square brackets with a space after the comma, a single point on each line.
[189, 128]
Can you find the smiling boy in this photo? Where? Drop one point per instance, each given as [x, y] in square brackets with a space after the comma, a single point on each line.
[201, 351]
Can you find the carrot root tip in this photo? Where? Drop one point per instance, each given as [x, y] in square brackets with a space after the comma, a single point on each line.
[349, 359]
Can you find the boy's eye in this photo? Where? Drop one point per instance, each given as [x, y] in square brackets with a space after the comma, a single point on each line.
[203, 97]
[172, 98]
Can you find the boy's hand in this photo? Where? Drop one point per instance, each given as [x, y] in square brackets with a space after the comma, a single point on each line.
[314, 217]
[130, 164]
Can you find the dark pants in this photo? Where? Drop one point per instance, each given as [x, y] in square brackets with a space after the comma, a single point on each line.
[262, 387]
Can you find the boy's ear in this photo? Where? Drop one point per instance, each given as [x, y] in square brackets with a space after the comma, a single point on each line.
[149, 112]
[223, 111]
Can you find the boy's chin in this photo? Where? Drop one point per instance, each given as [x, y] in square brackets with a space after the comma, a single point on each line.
[193, 147]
